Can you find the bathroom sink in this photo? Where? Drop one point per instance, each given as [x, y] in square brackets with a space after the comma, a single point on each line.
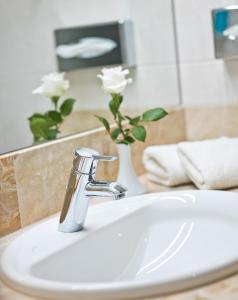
[142, 246]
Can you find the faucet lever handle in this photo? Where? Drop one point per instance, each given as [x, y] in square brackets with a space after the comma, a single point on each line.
[104, 158]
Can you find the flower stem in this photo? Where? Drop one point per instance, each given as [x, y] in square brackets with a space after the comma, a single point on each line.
[55, 100]
[119, 123]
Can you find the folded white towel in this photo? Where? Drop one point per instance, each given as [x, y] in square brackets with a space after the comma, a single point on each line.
[163, 165]
[211, 164]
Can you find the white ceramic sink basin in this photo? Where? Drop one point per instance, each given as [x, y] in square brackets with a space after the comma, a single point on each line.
[137, 247]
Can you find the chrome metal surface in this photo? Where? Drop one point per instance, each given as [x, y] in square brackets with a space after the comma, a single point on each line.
[82, 185]
[225, 29]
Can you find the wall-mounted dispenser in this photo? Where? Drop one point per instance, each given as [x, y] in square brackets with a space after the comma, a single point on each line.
[225, 29]
[95, 45]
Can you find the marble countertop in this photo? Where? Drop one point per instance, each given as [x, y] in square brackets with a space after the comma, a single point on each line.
[226, 289]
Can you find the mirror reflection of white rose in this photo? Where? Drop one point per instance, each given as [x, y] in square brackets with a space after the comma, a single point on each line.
[46, 126]
[54, 85]
[114, 79]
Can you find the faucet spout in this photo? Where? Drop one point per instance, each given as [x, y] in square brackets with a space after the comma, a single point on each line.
[81, 186]
[105, 189]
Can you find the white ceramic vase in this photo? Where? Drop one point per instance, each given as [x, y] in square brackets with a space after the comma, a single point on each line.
[126, 174]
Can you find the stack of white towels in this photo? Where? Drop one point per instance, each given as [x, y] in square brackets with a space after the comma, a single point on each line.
[209, 164]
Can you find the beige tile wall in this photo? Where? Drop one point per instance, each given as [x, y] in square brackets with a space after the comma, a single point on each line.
[9, 210]
[32, 181]
[211, 122]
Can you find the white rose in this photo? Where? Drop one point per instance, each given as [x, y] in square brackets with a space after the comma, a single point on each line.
[114, 79]
[54, 85]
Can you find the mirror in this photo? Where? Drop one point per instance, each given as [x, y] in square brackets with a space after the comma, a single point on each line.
[28, 52]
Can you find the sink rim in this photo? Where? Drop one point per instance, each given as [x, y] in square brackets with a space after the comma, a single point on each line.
[90, 288]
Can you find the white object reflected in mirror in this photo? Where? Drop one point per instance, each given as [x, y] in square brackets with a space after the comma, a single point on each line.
[86, 48]
[231, 32]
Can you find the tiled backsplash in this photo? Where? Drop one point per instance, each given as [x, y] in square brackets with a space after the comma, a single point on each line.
[211, 122]
[32, 181]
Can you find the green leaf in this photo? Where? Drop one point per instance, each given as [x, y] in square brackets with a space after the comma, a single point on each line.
[104, 122]
[67, 106]
[139, 133]
[133, 121]
[52, 134]
[115, 103]
[115, 133]
[50, 122]
[127, 140]
[55, 116]
[39, 128]
[36, 115]
[154, 114]
[122, 142]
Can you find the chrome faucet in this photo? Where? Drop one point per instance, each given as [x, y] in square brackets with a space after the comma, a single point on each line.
[82, 185]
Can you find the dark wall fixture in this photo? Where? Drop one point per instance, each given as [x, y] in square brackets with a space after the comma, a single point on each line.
[95, 45]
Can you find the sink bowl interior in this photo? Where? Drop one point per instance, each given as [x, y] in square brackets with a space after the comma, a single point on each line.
[151, 243]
